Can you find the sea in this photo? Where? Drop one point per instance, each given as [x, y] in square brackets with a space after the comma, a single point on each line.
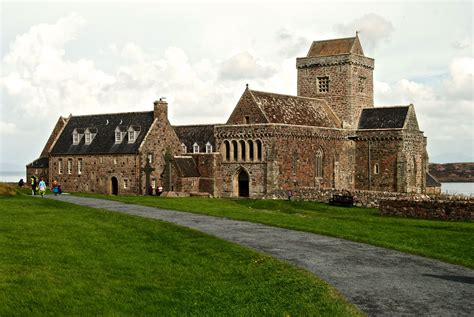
[12, 177]
[466, 189]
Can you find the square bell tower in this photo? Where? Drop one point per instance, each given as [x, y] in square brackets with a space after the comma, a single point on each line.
[338, 72]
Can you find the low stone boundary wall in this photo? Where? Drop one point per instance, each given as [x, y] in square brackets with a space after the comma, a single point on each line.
[429, 209]
[361, 198]
[364, 198]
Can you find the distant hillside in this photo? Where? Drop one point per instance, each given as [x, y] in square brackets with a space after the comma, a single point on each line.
[453, 172]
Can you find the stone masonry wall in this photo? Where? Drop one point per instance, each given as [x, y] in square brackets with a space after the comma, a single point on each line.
[289, 154]
[161, 138]
[384, 151]
[97, 173]
[245, 107]
[350, 83]
[429, 209]
[209, 166]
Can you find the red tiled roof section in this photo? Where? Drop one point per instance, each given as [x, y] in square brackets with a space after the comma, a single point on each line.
[349, 45]
[296, 110]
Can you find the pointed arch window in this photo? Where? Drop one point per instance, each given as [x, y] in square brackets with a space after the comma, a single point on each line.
[318, 167]
[294, 165]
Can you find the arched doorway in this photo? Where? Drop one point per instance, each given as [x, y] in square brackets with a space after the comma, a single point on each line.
[243, 183]
[114, 186]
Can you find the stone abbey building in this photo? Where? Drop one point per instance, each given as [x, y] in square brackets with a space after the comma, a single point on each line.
[328, 136]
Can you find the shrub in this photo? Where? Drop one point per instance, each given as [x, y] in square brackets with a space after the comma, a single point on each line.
[7, 189]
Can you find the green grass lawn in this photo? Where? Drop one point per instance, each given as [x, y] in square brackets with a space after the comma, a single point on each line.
[448, 241]
[62, 259]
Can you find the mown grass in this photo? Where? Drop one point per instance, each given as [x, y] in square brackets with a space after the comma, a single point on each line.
[448, 241]
[62, 259]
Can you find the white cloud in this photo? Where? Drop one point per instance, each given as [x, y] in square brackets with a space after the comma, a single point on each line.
[460, 83]
[7, 127]
[245, 66]
[447, 119]
[373, 29]
[291, 43]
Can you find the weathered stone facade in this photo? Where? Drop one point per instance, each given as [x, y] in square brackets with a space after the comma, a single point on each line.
[327, 138]
[429, 209]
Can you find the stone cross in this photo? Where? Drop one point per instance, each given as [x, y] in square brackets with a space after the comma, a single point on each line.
[147, 169]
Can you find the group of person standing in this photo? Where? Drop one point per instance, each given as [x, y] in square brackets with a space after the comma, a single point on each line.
[38, 186]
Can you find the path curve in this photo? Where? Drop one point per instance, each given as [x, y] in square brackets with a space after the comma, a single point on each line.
[379, 281]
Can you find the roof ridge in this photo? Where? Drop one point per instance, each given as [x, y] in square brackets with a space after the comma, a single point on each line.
[195, 125]
[385, 107]
[257, 103]
[110, 113]
[337, 39]
[285, 95]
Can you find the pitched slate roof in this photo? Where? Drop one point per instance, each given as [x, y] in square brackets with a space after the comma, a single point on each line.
[104, 140]
[39, 163]
[295, 110]
[336, 47]
[201, 134]
[383, 118]
[186, 166]
[431, 181]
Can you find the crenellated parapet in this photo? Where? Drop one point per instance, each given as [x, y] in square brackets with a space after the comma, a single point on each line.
[346, 59]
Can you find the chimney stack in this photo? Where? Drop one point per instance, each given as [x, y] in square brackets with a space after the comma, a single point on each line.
[160, 109]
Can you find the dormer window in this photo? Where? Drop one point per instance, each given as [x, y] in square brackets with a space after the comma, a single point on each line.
[77, 135]
[183, 148]
[89, 135]
[133, 132]
[75, 138]
[131, 136]
[120, 133]
[195, 148]
[208, 147]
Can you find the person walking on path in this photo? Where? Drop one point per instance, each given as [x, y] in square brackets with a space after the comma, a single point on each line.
[33, 185]
[42, 187]
[55, 187]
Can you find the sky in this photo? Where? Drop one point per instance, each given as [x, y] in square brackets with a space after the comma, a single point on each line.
[62, 58]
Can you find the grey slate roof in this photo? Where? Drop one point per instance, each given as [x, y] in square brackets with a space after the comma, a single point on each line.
[383, 118]
[295, 110]
[104, 141]
[201, 134]
[186, 166]
[39, 163]
[431, 181]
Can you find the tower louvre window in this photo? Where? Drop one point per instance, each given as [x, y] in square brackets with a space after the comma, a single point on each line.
[323, 84]
[362, 81]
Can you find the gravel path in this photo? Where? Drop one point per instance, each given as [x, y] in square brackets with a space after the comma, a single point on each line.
[379, 281]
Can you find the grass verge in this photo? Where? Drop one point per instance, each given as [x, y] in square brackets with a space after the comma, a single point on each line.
[448, 241]
[63, 259]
